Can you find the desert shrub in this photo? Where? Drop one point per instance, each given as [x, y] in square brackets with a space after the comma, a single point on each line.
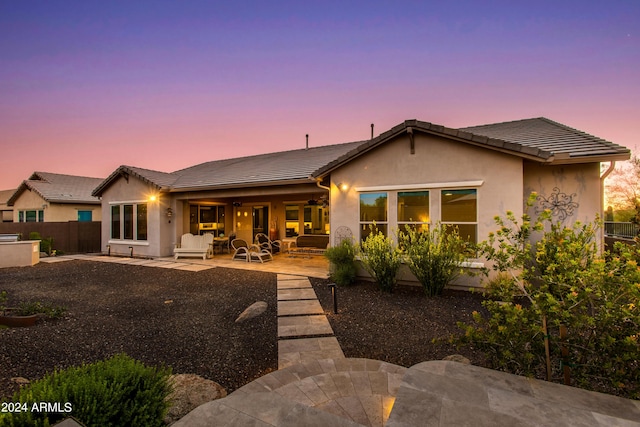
[433, 256]
[567, 283]
[342, 259]
[115, 392]
[37, 307]
[381, 258]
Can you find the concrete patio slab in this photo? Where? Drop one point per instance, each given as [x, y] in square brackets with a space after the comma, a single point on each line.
[296, 326]
[294, 284]
[296, 294]
[297, 308]
[289, 277]
[195, 267]
[53, 259]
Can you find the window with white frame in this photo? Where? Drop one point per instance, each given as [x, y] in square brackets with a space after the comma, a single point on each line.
[31, 216]
[459, 207]
[129, 221]
[413, 210]
[373, 213]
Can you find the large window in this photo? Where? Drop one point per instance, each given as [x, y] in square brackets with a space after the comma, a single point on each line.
[31, 216]
[292, 224]
[373, 213]
[460, 208]
[129, 221]
[413, 210]
[115, 222]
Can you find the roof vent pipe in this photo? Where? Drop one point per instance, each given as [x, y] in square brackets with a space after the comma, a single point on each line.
[371, 130]
[307, 142]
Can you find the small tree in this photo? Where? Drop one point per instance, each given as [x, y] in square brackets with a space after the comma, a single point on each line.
[433, 256]
[381, 258]
[567, 283]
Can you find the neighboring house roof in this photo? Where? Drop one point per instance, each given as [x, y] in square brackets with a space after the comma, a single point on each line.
[5, 195]
[537, 139]
[58, 188]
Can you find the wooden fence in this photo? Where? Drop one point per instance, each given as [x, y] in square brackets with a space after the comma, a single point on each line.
[69, 237]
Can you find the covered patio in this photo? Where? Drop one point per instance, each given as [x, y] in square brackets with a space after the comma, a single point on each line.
[312, 266]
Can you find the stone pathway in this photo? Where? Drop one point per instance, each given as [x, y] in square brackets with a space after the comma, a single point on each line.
[304, 333]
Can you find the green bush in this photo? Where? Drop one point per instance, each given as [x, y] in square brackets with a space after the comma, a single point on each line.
[433, 256]
[342, 258]
[565, 282]
[46, 245]
[116, 392]
[381, 258]
[37, 307]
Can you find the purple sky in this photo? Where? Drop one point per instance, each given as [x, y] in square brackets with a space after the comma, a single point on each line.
[86, 86]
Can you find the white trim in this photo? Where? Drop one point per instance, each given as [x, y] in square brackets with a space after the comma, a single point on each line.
[442, 185]
[129, 242]
[132, 202]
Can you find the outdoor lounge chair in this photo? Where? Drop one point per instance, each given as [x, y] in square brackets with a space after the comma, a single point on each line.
[273, 246]
[244, 252]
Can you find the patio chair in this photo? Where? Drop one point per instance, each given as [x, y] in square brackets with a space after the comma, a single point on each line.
[244, 252]
[273, 246]
[240, 250]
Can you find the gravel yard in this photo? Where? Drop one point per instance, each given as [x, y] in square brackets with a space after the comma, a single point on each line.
[398, 328]
[185, 320]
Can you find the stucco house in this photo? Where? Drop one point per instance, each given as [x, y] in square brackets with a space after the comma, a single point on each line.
[6, 211]
[415, 173]
[52, 197]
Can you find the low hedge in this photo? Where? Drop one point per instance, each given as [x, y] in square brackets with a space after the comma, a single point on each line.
[115, 392]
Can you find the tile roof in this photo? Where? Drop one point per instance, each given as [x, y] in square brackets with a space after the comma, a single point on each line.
[560, 140]
[59, 188]
[539, 139]
[264, 169]
[5, 195]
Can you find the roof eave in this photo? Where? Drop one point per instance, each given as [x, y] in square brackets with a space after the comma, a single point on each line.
[567, 160]
[306, 180]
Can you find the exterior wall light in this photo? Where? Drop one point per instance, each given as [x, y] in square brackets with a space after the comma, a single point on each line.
[343, 187]
[169, 212]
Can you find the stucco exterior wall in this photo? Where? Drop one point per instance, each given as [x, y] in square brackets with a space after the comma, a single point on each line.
[437, 164]
[572, 192]
[53, 212]
[159, 229]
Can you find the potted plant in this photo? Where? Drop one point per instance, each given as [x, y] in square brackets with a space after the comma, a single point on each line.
[27, 313]
[14, 317]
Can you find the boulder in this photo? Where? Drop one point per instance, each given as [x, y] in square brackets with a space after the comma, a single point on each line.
[458, 358]
[254, 310]
[189, 392]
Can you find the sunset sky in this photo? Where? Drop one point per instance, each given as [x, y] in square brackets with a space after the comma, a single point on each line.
[86, 86]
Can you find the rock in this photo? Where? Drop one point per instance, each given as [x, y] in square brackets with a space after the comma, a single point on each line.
[189, 392]
[458, 358]
[20, 381]
[254, 310]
